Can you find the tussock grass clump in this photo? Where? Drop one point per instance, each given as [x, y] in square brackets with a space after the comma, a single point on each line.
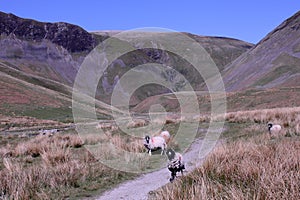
[285, 115]
[128, 144]
[243, 170]
[288, 118]
[19, 182]
[41, 143]
[56, 167]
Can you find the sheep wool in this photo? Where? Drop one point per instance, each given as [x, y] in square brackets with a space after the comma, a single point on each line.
[166, 135]
[274, 129]
[155, 143]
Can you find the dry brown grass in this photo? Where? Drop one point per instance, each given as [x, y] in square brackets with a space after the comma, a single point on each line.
[18, 122]
[118, 139]
[243, 170]
[20, 182]
[171, 120]
[51, 168]
[128, 144]
[284, 115]
[288, 118]
[41, 143]
[110, 126]
[136, 123]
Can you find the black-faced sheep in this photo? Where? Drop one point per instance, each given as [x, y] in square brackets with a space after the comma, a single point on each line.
[274, 130]
[176, 163]
[155, 143]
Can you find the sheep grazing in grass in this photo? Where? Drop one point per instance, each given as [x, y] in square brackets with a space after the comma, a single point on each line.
[176, 163]
[274, 130]
[166, 135]
[155, 143]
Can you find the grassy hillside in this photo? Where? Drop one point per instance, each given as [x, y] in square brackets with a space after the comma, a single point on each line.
[19, 97]
[272, 63]
[221, 50]
[30, 98]
[243, 100]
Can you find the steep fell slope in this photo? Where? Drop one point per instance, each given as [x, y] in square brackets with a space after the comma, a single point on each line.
[274, 62]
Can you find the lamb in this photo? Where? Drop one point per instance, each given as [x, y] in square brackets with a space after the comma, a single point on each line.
[155, 143]
[176, 163]
[274, 129]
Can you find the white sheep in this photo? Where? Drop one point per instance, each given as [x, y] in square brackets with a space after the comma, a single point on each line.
[166, 135]
[155, 143]
[274, 129]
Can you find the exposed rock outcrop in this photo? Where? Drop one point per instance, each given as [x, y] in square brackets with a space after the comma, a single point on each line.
[71, 37]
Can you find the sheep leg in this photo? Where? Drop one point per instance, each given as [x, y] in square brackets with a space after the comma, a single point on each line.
[163, 149]
[182, 167]
[173, 175]
[172, 178]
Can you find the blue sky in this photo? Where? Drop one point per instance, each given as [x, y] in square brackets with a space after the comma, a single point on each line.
[246, 20]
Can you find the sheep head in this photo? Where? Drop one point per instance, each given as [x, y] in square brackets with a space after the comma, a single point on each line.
[147, 139]
[270, 125]
[170, 153]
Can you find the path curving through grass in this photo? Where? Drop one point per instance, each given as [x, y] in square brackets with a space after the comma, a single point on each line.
[138, 189]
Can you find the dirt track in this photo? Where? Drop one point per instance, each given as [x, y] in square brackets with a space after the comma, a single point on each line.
[139, 188]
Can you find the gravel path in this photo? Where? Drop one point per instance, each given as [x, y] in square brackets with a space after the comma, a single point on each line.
[139, 188]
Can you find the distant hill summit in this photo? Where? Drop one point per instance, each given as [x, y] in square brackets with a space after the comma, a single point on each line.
[273, 63]
[50, 50]
[71, 37]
